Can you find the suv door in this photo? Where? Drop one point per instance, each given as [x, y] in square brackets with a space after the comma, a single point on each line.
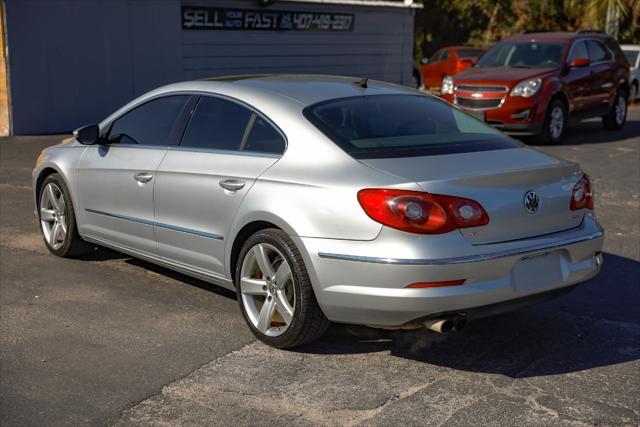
[201, 183]
[602, 76]
[578, 79]
[116, 178]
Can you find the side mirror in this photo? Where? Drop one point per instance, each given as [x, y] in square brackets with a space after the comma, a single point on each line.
[579, 63]
[87, 135]
[424, 61]
[467, 62]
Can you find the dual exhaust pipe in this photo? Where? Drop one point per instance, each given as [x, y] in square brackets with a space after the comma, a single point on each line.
[446, 324]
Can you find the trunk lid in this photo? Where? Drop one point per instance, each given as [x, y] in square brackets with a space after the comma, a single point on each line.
[499, 181]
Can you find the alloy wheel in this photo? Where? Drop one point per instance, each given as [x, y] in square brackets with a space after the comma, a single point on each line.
[267, 289]
[556, 124]
[53, 216]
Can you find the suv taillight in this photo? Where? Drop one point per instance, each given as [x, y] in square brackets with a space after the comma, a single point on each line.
[582, 196]
[423, 213]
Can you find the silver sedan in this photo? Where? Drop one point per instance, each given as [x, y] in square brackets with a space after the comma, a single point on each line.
[323, 199]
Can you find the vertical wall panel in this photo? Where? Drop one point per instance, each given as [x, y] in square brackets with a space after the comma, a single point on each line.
[73, 62]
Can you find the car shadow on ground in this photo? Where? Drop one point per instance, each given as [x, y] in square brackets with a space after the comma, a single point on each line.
[597, 324]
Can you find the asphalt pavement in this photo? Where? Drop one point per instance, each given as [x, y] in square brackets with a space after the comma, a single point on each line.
[109, 339]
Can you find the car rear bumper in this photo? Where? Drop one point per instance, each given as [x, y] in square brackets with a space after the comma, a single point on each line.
[365, 282]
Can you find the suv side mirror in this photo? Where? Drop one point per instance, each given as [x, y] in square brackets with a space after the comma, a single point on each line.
[87, 135]
[579, 63]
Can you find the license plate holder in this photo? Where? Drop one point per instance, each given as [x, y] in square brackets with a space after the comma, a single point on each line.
[538, 272]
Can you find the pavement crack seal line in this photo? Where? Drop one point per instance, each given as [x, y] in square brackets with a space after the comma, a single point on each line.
[166, 390]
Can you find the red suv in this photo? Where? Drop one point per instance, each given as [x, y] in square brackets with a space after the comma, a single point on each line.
[535, 83]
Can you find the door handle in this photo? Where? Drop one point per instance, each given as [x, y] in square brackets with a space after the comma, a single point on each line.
[143, 177]
[232, 184]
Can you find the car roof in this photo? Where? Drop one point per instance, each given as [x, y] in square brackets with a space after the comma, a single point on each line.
[305, 89]
[630, 46]
[555, 36]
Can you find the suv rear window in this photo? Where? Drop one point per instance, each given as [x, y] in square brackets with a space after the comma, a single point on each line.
[387, 126]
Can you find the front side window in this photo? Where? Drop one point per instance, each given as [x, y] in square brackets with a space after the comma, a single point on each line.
[387, 126]
[217, 124]
[598, 53]
[579, 50]
[523, 55]
[148, 124]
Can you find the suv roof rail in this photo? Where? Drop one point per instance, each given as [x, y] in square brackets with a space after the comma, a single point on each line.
[590, 32]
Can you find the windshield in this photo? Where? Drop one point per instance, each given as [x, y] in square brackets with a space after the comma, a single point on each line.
[632, 56]
[523, 54]
[469, 53]
[386, 126]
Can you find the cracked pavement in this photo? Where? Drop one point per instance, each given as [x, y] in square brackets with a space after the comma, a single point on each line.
[113, 340]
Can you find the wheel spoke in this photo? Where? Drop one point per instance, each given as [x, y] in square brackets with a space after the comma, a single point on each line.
[54, 233]
[52, 197]
[266, 315]
[283, 274]
[61, 204]
[262, 259]
[283, 307]
[63, 227]
[250, 286]
[46, 214]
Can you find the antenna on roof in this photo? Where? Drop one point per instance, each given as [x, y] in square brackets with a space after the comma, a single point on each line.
[362, 82]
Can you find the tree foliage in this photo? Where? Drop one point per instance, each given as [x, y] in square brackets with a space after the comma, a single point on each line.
[483, 22]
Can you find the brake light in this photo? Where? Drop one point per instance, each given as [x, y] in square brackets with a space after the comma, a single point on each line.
[418, 212]
[582, 196]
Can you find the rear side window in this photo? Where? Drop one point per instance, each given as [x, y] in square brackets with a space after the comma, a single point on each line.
[387, 126]
[149, 124]
[597, 52]
[264, 138]
[217, 124]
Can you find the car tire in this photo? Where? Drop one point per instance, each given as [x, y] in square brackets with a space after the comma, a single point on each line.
[279, 304]
[633, 96]
[555, 123]
[58, 220]
[618, 115]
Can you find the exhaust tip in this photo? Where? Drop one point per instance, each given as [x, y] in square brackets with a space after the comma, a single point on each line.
[445, 325]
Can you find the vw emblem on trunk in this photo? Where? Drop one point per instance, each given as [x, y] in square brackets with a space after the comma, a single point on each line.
[531, 202]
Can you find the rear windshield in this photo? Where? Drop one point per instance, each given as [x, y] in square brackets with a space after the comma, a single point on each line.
[469, 53]
[386, 126]
[523, 54]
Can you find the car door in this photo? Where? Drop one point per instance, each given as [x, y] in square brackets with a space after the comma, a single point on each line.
[578, 79]
[116, 178]
[200, 184]
[602, 76]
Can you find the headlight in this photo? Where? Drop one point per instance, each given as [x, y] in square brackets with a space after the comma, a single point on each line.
[447, 86]
[527, 88]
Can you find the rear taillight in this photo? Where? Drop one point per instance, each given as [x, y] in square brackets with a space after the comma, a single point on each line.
[582, 196]
[423, 213]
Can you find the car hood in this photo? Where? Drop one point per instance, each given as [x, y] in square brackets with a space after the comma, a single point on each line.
[500, 75]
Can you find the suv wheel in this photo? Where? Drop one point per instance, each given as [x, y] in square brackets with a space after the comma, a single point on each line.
[275, 293]
[555, 123]
[618, 114]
